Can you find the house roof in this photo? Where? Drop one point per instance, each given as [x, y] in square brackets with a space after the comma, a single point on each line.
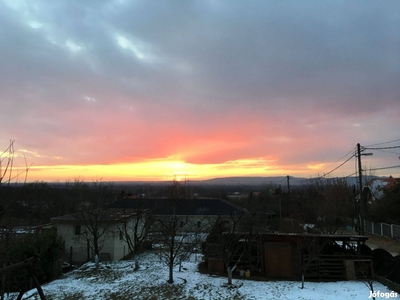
[336, 237]
[165, 206]
[376, 185]
[382, 181]
[305, 236]
[110, 214]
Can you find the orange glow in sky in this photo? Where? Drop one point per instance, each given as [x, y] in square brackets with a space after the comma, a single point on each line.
[166, 170]
[155, 170]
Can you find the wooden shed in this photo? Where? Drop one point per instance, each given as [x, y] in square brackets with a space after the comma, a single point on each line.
[289, 255]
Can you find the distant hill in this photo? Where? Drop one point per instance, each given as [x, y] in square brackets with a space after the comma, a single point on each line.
[239, 180]
[275, 180]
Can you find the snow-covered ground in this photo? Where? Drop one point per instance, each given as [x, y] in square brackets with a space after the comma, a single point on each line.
[118, 280]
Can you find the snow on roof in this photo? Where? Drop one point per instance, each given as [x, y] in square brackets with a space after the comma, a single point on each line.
[376, 185]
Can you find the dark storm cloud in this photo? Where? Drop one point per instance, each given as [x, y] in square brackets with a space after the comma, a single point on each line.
[324, 52]
[255, 51]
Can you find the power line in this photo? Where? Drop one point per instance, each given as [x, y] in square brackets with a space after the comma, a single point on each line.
[381, 148]
[355, 173]
[369, 147]
[351, 151]
[383, 143]
[281, 181]
[384, 168]
[397, 153]
[339, 165]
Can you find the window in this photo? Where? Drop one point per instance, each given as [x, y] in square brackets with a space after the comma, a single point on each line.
[121, 235]
[77, 229]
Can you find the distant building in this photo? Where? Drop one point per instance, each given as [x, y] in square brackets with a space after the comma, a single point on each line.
[378, 184]
[199, 207]
[195, 215]
[198, 215]
[72, 229]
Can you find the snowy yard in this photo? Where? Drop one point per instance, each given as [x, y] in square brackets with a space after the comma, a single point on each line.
[118, 280]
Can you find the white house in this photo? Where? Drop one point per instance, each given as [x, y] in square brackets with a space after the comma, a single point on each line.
[109, 227]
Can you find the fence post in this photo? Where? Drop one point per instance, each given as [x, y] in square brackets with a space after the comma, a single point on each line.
[391, 230]
[372, 228]
[3, 284]
[364, 225]
[382, 230]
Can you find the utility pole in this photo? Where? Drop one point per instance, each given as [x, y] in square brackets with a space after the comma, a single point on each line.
[288, 185]
[361, 219]
[362, 229]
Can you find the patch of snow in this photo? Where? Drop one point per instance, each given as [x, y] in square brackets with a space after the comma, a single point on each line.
[118, 280]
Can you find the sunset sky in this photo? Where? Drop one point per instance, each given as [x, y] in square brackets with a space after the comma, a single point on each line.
[145, 90]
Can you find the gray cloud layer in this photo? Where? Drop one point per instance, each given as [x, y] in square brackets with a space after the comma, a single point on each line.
[73, 70]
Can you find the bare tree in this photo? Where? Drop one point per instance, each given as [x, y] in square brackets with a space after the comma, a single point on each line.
[365, 273]
[175, 242]
[9, 173]
[231, 239]
[135, 233]
[93, 214]
[310, 248]
[371, 265]
[174, 231]
[327, 203]
[95, 229]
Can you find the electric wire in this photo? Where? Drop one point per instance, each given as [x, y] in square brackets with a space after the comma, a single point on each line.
[397, 153]
[352, 174]
[383, 143]
[339, 165]
[385, 168]
[351, 151]
[381, 148]
[282, 181]
[384, 149]
[368, 147]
